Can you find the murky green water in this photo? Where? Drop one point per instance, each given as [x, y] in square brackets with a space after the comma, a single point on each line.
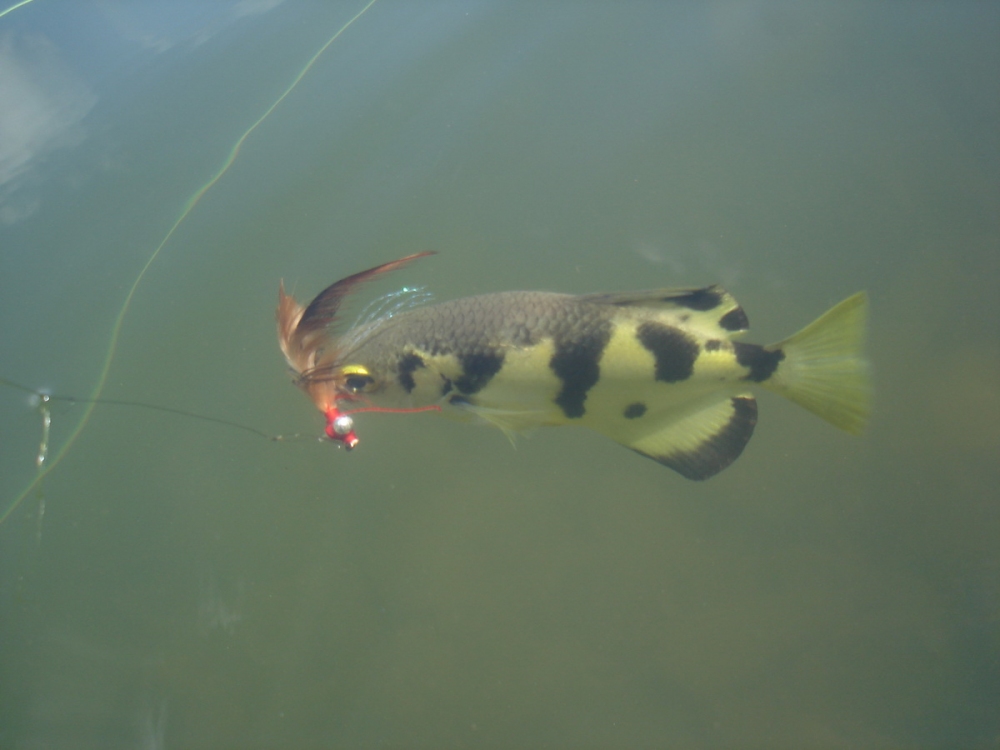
[174, 583]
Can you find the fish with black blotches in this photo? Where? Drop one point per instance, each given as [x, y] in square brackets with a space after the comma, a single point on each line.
[661, 372]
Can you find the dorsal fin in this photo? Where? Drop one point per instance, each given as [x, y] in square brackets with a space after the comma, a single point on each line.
[711, 305]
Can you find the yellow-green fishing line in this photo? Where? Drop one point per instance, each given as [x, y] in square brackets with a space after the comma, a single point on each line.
[25, 2]
[54, 460]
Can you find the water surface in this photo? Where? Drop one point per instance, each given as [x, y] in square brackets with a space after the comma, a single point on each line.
[193, 585]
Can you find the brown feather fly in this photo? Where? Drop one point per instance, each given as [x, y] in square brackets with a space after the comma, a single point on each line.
[306, 339]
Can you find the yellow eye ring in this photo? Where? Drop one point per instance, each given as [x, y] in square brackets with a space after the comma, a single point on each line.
[354, 370]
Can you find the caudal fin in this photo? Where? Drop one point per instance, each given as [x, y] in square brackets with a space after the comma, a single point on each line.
[824, 368]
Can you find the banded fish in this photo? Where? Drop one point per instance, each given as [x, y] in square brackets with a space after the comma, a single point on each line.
[662, 372]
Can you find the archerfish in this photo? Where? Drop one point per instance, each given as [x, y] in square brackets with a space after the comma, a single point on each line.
[662, 372]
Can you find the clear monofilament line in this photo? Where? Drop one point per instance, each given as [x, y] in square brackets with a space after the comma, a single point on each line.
[43, 447]
[44, 469]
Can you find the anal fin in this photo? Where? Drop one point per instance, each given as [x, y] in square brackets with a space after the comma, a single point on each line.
[702, 443]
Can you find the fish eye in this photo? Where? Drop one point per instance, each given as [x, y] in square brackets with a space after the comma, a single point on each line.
[357, 383]
[355, 378]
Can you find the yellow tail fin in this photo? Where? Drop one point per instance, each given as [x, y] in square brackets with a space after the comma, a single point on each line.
[824, 368]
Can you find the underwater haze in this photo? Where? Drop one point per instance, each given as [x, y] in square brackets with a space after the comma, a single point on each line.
[174, 582]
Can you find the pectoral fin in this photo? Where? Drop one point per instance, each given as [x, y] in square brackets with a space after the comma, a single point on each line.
[701, 443]
[510, 423]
